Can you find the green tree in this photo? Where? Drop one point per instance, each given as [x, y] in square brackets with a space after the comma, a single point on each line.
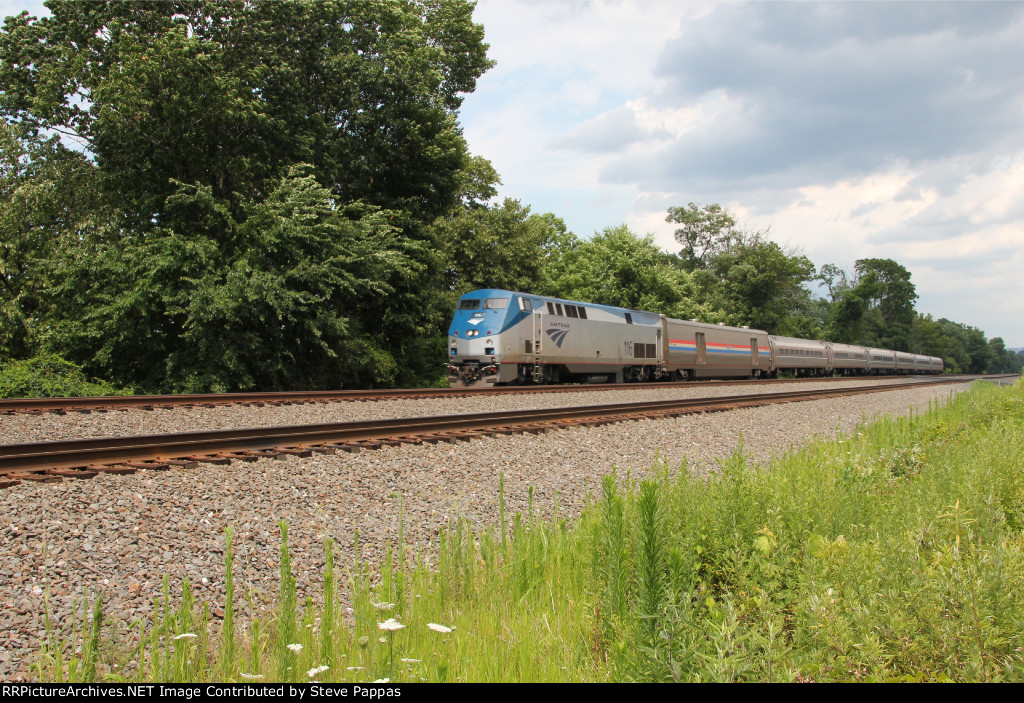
[765, 287]
[979, 351]
[835, 280]
[846, 317]
[194, 117]
[706, 231]
[930, 339]
[229, 95]
[890, 296]
[282, 307]
[1001, 361]
[493, 247]
[46, 194]
[617, 267]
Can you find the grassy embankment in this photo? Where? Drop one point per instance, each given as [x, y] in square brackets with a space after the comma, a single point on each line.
[896, 552]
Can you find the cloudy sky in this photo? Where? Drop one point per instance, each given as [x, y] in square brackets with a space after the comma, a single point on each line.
[851, 130]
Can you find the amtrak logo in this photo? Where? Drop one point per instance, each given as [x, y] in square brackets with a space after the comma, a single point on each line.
[557, 336]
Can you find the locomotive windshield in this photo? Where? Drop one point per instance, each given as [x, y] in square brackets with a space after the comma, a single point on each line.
[496, 303]
[469, 304]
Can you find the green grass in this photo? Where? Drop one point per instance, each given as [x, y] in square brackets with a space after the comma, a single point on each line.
[895, 553]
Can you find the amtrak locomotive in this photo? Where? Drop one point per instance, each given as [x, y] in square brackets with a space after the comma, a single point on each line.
[504, 337]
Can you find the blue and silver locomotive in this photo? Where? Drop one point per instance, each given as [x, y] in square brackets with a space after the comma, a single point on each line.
[504, 337]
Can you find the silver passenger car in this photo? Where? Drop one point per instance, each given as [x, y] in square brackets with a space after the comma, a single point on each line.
[804, 357]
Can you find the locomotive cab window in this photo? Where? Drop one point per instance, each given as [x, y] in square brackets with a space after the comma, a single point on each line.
[469, 304]
[525, 305]
[496, 303]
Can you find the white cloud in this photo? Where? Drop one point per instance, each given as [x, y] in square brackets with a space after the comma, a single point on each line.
[853, 130]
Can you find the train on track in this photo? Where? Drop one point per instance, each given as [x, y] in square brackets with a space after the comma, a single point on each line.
[500, 337]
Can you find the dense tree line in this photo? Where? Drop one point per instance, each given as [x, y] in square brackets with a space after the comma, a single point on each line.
[252, 194]
[203, 196]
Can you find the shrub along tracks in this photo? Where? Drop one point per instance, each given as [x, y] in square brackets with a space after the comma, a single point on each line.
[85, 458]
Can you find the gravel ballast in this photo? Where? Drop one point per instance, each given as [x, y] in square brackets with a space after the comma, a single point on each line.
[120, 535]
[19, 427]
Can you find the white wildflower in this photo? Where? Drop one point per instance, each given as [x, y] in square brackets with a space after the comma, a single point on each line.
[185, 636]
[250, 676]
[383, 606]
[438, 628]
[390, 624]
[412, 661]
[295, 648]
[383, 681]
[353, 668]
[317, 670]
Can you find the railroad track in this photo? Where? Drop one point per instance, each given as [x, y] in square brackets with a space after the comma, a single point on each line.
[62, 406]
[85, 458]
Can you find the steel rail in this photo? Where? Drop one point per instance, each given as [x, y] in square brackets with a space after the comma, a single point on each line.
[220, 446]
[149, 402]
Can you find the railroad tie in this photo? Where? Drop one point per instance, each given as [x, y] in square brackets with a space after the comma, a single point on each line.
[220, 460]
[296, 451]
[239, 457]
[116, 470]
[148, 465]
[265, 454]
[72, 473]
[30, 476]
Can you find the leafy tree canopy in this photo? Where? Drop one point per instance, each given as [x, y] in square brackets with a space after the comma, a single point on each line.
[228, 96]
[617, 267]
[46, 192]
[763, 286]
[705, 231]
[261, 178]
